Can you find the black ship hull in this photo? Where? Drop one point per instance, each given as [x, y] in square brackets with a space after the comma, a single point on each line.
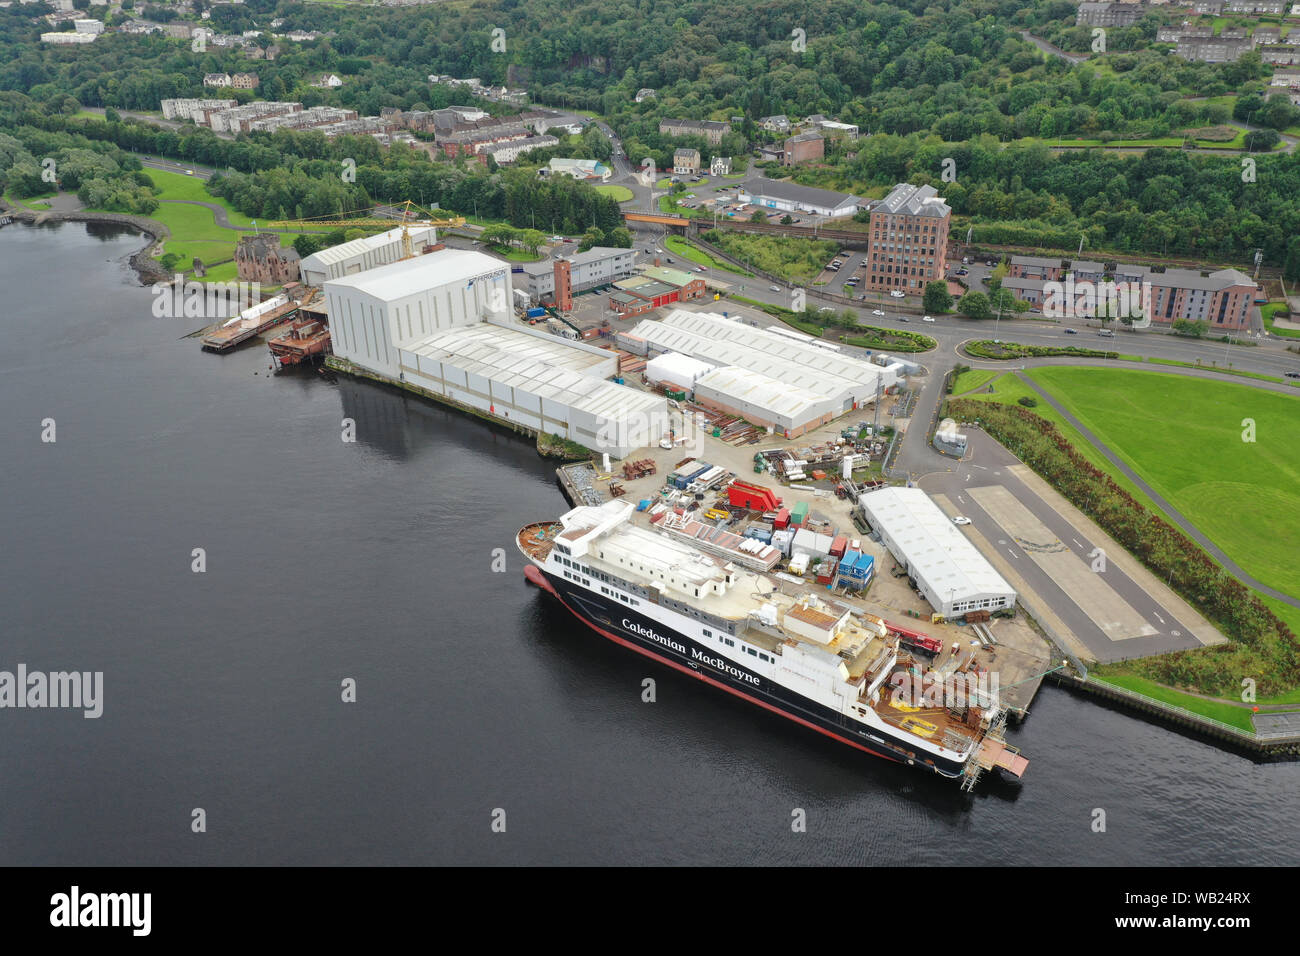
[625, 626]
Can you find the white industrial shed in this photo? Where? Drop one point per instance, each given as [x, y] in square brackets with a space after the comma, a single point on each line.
[850, 382]
[676, 370]
[763, 400]
[376, 312]
[368, 252]
[950, 572]
[538, 381]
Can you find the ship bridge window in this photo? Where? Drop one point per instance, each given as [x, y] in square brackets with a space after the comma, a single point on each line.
[707, 632]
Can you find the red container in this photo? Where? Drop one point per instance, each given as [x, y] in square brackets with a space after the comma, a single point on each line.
[782, 519]
[838, 546]
[826, 572]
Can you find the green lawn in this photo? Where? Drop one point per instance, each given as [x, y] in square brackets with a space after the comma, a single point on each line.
[686, 250]
[972, 379]
[1226, 713]
[1268, 312]
[620, 193]
[1009, 387]
[1184, 436]
[515, 254]
[1276, 379]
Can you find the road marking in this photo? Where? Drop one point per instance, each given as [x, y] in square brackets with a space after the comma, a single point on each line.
[1076, 541]
[1158, 617]
[980, 467]
[1013, 554]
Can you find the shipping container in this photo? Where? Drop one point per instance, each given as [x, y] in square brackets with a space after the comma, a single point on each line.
[534, 313]
[826, 571]
[839, 546]
[782, 520]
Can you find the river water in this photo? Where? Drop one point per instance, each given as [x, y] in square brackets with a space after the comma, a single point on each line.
[372, 561]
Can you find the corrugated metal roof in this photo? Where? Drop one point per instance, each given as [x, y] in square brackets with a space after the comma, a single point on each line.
[334, 254]
[766, 393]
[932, 546]
[397, 280]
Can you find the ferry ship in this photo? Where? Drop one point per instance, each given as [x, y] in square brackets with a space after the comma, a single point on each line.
[822, 663]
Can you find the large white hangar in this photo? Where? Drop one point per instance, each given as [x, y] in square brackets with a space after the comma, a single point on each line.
[763, 400]
[376, 312]
[533, 379]
[849, 382]
[368, 252]
[950, 572]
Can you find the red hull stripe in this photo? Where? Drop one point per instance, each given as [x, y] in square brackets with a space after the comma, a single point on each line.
[696, 674]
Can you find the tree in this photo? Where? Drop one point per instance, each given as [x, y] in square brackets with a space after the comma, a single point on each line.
[619, 238]
[758, 216]
[787, 219]
[531, 239]
[937, 297]
[1193, 328]
[592, 237]
[975, 305]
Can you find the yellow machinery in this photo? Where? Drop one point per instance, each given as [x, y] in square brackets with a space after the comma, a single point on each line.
[407, 219]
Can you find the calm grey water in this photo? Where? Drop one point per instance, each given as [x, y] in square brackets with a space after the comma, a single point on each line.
[371, 561]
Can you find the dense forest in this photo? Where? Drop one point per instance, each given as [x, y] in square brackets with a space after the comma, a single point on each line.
[928, 80]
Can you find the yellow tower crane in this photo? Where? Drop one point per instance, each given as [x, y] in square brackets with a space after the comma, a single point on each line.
[407, 218]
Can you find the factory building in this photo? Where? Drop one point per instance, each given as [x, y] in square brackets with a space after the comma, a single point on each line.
[948, 570]
[533, 379]
[849, 382]
[788, 409]
[368, 252]
[599, 265]
[792, 197]
[376, 312]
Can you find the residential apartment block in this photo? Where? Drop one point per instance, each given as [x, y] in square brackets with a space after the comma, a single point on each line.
[1109, 14]
[710, 130]
[909, 239]
[1212, 49]
[1033, 267]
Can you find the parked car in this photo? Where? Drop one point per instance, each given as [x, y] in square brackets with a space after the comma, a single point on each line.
[960, 519]
[774, 288]
[561, 239]
[962, 272]
[1071, 331]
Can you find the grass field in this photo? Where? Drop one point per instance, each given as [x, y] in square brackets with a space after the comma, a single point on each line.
[1231, 714]
[194, 229]
[620, 193]
[972, 379]
[678, 245]
[1185, 437]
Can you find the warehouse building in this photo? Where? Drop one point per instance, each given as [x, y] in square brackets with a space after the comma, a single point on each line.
[653, 287]
[947, 569]
[376, 312]
[762, 400]
[792, 197]
[532, 379]
[849, 382]
[368, 252]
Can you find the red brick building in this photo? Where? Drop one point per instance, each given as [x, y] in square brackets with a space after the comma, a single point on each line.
[909, 240]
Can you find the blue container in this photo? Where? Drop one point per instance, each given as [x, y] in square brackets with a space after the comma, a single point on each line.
[534, 313]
